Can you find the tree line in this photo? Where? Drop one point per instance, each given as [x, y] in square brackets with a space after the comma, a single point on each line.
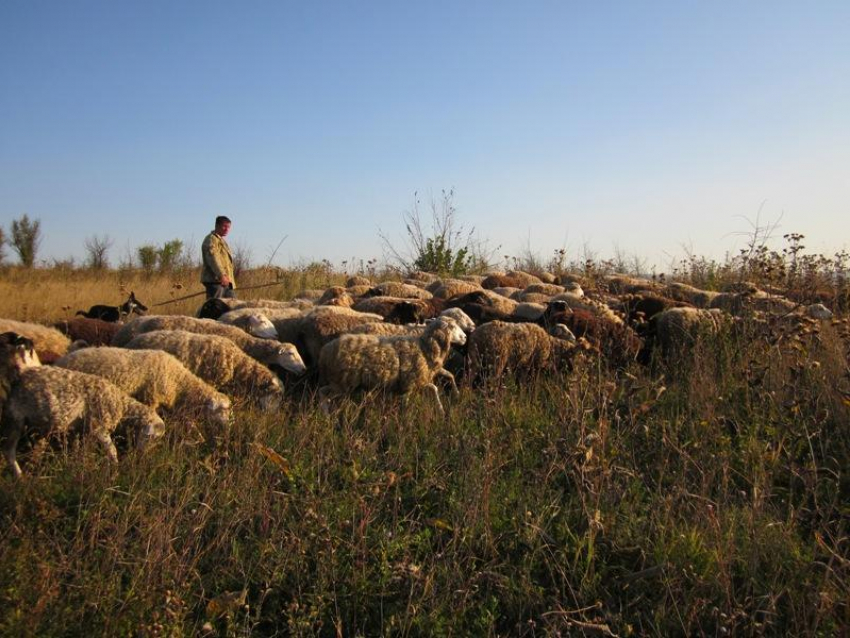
[24, 237]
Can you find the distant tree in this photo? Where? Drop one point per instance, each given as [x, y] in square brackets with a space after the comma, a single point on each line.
[169, 255]
[2, 246]
[26, 238]
[96, 251]
[147, 255]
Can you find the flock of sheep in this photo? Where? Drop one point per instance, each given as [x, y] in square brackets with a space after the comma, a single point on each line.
[104, 378]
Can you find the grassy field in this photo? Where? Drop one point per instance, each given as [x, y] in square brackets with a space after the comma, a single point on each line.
[706, 496]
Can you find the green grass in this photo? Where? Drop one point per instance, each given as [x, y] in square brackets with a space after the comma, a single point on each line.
[588, 502]
[706, 496]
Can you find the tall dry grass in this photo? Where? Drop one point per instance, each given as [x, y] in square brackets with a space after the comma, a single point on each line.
[702, 496]
[49, 295]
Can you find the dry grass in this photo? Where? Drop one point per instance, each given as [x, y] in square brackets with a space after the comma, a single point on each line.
[47, 296]
[705, 496]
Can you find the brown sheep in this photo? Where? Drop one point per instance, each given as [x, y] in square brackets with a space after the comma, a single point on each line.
[616, 341]
[94, 332]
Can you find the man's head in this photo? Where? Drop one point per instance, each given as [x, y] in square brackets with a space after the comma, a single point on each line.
[222, 225]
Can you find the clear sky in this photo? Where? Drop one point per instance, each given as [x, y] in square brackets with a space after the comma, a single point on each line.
[645, 126]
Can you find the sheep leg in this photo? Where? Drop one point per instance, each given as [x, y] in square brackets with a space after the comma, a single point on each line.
[9, 453]
[436, 394]
[448, 375]
[102, 436]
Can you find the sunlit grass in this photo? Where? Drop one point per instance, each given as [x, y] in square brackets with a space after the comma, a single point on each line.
[708, 496]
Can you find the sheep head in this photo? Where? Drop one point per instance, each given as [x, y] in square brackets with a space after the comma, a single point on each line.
[287, 357]
[270, 395]
[258, 325]
[218, 410]
[460, 318]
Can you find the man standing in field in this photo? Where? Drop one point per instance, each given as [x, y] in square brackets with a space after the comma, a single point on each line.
[217, 271]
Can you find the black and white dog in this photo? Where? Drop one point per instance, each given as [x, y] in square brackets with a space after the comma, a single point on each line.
[115, 313]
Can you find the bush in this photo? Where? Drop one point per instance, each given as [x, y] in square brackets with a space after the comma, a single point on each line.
[446, 248]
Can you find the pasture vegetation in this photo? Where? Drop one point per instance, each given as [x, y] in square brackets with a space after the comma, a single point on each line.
[704, 496]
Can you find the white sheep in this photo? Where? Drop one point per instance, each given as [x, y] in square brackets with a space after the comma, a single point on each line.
[266, 351]
[50, 401]
[219, 362]
[448, 288]
[50, 344]
[694, 296]
[385, 329]
[398, 364]
[252, 320]
[530, 311]
[677, 329]
[153, 377]
[525, 348]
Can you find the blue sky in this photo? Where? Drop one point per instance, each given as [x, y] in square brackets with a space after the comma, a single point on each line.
[640, 126]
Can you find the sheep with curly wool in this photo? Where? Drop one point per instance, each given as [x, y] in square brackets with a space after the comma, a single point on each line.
[398, 290]
[549, 290]
[529, 311]
[215, 308]
[153, 377]
[50, 344]
[446, 289]
[336, 296]
[318, 328]
[532, 297]
[233, 317]
[267, 351]
[639, 308]
[620, 284]
[513, 278]
[49, 401]
[357, 280]
[619, 343]
[397, 364]
[497, 348]
[386, 329]
[219, 362]
[675, 331]
[598, 308]
[397, 310]
[506, 291]
[254, 322]
[485, 298]
[424, 277]
[685, 292]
